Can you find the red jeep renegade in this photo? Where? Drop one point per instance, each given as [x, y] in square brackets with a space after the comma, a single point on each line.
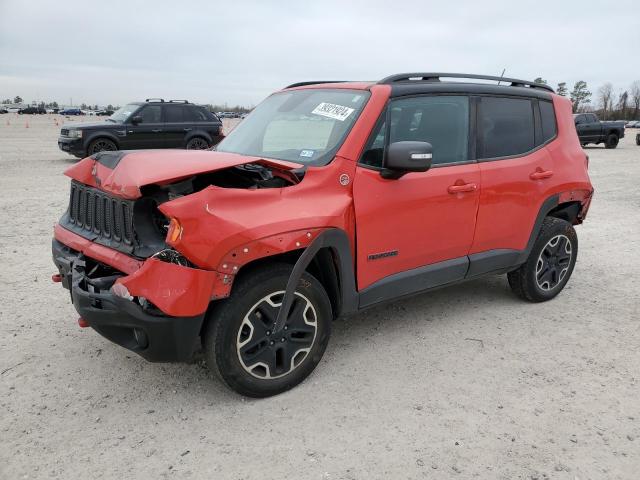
[329, 198]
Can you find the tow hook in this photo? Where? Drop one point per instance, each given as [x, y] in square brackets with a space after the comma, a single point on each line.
[56, 278]
[83, 323]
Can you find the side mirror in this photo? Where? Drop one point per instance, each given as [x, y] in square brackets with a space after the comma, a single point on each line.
[405, 157]
[136, 120]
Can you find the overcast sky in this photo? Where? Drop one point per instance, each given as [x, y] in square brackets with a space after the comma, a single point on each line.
[239, 51]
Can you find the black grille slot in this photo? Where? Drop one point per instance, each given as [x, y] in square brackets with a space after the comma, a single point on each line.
[108, 217]
[64, 132]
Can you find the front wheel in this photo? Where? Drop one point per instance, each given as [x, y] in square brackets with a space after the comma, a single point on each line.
[550, 262]
[101, 145]
[242, 346]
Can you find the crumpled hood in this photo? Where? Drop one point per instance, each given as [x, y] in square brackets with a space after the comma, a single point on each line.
[123, 173]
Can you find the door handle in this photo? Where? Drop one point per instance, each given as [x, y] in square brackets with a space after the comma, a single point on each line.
[157, 130]
[540, 174]
[187, 129]
[466, 187]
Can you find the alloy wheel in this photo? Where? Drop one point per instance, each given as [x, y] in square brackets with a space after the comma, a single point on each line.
[553, 262]
[267, 354]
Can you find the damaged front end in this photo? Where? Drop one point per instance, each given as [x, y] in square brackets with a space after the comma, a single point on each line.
[126, 280]
[134, 322]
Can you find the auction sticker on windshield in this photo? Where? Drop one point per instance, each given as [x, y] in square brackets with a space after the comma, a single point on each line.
[331, 110]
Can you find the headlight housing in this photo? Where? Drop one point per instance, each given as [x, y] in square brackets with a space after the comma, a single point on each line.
[75, 134]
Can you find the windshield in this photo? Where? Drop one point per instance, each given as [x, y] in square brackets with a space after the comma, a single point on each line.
[121, 115]
[303, 126]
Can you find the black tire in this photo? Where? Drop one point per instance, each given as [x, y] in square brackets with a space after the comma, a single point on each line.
[549, 265]
[232, 324]
[197, 143]
[611, 141]
[101, 145]
[638, 139]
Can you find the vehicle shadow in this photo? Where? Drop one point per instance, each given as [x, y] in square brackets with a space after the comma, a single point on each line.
[196, 382]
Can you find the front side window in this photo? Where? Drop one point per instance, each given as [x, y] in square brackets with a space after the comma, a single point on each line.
[506, 126]
[122, 114]
[150, 114]
[441, 120]
[304, 126]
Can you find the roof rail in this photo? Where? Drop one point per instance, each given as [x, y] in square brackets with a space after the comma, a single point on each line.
[178, 101]
[155, 100]
[314, 82]
[435, 77]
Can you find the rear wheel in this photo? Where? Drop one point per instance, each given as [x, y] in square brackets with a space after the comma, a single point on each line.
[197, 143]
[550, 262]
[244, 350]
[101, 145]
[611, 141]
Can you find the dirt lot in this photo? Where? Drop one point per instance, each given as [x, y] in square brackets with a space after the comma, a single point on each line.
[466, 382]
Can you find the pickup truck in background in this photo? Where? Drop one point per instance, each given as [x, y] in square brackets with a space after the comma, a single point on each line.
[591, 130]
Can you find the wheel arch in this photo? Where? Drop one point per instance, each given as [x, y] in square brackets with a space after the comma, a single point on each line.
[328, 258]
[101, 134]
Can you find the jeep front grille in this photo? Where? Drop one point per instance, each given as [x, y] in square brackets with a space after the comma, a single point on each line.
[99, 214]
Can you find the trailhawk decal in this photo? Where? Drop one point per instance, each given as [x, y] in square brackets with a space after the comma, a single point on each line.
[331, 110]
[378, 256]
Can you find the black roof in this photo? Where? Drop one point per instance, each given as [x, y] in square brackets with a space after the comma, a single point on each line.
[432, 82]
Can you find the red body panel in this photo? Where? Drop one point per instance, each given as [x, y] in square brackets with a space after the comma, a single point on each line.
[510, 201]
[106, 255]
[414, 216]
[176, 290]
[148, 167]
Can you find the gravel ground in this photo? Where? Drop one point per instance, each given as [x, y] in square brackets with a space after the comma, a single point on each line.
[465, 382]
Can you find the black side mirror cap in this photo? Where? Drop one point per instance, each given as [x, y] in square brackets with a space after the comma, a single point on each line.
[136, 120]
[405, 157]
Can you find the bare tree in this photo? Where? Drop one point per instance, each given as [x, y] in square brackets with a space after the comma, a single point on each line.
[621, 106]
[634, 93]
[605, 98]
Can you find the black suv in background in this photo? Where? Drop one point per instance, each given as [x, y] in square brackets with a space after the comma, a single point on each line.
[153, 123]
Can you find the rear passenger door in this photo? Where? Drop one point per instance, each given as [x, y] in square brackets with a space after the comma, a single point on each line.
[175, 125]
[516, 170]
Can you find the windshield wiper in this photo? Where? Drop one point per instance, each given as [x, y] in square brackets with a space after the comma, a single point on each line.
[111, 120]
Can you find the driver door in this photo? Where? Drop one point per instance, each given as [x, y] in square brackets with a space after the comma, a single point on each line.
[415, 232]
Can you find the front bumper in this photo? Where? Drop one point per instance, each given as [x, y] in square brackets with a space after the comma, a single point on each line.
[74, 146]
[151, 334]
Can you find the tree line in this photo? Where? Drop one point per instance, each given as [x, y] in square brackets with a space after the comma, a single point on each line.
[625, 105]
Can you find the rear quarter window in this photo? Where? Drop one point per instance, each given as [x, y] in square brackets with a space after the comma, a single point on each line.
[548, 120]
[506, 126]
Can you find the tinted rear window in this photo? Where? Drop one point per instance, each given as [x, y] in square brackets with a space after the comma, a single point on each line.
[506, 126]
[548, 119]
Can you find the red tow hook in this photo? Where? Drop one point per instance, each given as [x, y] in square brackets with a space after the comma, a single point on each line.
[56, 278]
[83, 323]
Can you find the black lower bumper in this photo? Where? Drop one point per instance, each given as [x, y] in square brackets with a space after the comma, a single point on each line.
[74, 146]
[155, 337]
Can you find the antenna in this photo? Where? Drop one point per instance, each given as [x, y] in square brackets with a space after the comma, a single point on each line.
[502, 75]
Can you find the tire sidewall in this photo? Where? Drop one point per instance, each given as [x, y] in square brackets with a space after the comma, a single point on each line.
[227, 320]
[612, 141]
[196, 138]
[550, 230]
[93, 142]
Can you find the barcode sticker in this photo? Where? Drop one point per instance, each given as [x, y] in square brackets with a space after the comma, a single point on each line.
[331, 110]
